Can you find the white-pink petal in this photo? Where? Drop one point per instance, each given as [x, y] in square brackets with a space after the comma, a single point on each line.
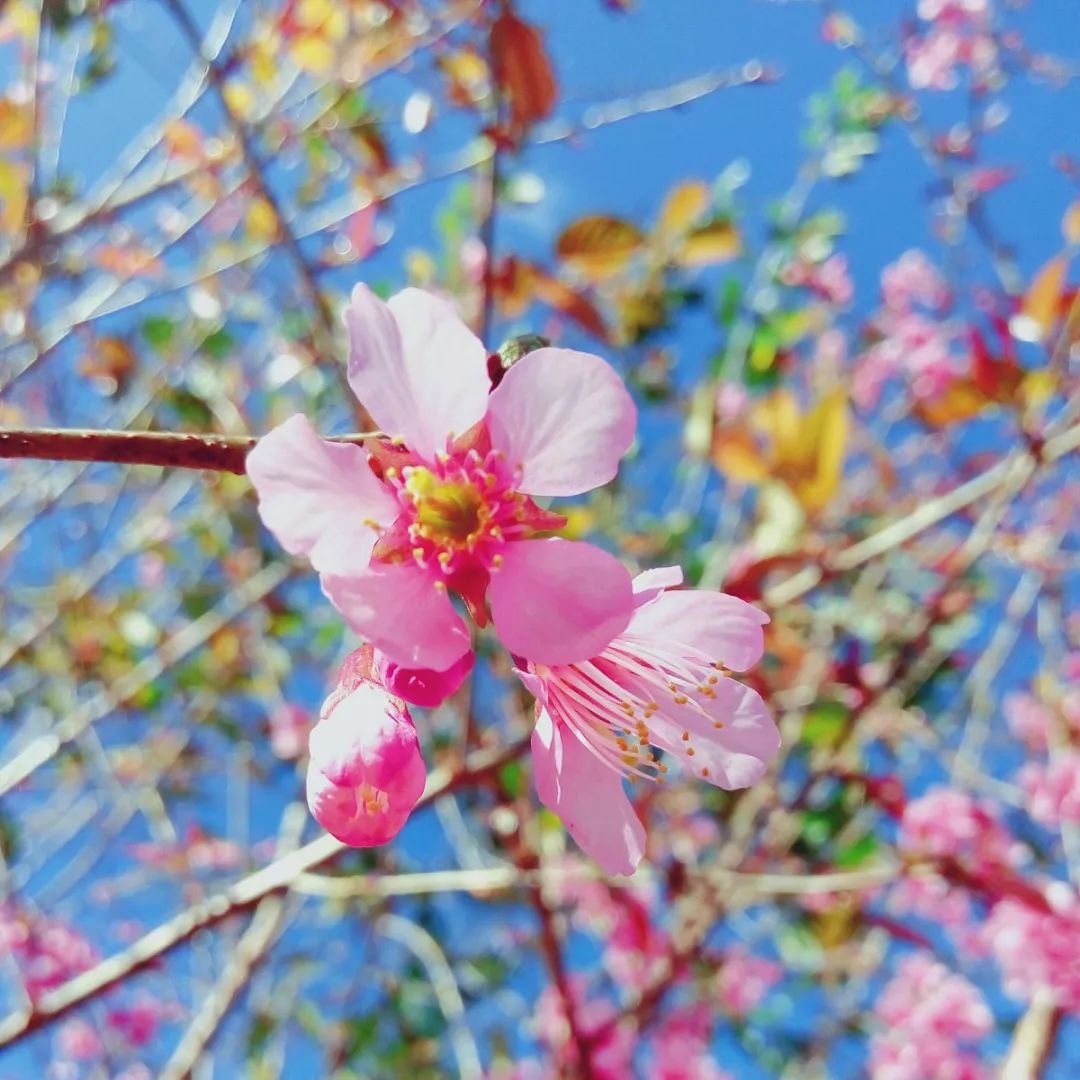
[649, 584]
[589, 797]
[722, 627]
[416, 367]
[318, 498]
[558, 601]
[565, 418]
[735, 755]
[397, 608]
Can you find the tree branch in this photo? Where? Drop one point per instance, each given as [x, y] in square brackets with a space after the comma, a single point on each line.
[240, 897]
[218, 453]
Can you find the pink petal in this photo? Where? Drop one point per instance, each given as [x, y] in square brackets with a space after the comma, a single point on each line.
[737, 754]
[649, 584]
[589, 797]
[397, 608]
[722, 627]
[416, 367]
[316, 496]
[565, 417]
[558, 601]
[422, 686]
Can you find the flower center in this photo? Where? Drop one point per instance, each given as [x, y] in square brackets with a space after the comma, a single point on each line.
[448, 513]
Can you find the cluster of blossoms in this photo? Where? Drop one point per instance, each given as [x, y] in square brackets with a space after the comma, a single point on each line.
[443, 505]
[930, 1014]
[913, 338]
[959, 34]
[47, 952]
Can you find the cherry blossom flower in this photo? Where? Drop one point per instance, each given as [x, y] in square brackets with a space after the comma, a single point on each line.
[958, 36]
[945, 823]
[289, 727]
[745, 979]
[1037, 949]
[913, 337]
[47, 951]
[365, 774]
[613, 1038]
[662, 684]
[78, 1041]
[1028, 719]
[929, 1013]
[680, 1047]
[444, 504]
[1053, 790]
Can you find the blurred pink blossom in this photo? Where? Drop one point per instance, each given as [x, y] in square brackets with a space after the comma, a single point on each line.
[745, 979]
[947, 823]
[929, 1012]
[289, 728]
[1038, 948]
[1052, 790]
[78, 1041]
[1028, 719]
[680, 1046]
[47, 951]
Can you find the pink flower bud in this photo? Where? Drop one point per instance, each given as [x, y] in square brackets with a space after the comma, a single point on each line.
[366, 773]
[417, 686]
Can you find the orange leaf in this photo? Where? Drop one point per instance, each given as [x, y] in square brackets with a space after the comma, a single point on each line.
[109, 364]
[961, 400]
[522, 70]
[16, 124]
[574, 305]
[1041, 302]
[599, 245]
[717, 242]
[183, 139]
[685, 203]
[738, 456]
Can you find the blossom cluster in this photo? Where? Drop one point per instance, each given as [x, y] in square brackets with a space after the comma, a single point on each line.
[439, 515]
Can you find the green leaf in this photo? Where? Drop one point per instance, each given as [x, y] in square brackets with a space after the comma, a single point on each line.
[158, 330]
[825, 723]
[856, 853]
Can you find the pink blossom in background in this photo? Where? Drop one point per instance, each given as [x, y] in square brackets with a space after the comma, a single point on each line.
[612, 1052]
[136, 1024]
[46, 951]
[745, 979]
[1052, 790]
[947, 823]
[913, 337]
[958, 36]
[732, 400]
[289, 727]
[78, 1041]
[930, 896]
[680, 1047]
[931, 1018]
[365, 773]
[830, 280]
[1028, 719]
[1036, 949]
[913, 280]
[445, 506]
[662, 683]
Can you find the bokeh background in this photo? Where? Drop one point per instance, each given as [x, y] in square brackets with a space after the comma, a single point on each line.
[830, 249]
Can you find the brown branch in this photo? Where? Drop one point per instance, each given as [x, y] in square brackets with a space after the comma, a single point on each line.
[243, 896]
[175, 450]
